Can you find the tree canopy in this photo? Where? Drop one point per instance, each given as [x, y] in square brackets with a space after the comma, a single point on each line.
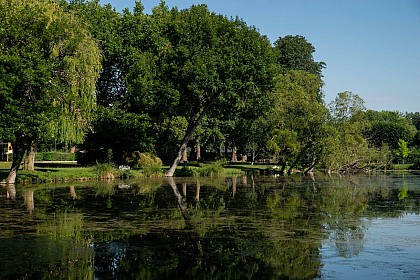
[157, 82]
[49, 65]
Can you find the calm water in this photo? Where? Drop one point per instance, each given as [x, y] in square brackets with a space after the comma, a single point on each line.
[361, 227]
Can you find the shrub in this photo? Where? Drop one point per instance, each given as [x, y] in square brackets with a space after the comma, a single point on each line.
[55, 156]
[143, 160]
[210, 170]
[205, 170]
[150, 164]
[104, 171]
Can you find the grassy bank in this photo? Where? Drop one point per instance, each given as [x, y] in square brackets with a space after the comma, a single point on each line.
[66, 172]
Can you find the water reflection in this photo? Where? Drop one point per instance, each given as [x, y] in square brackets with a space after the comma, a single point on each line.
[224, 228]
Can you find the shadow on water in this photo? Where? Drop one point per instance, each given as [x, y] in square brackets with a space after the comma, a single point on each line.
[197, 228]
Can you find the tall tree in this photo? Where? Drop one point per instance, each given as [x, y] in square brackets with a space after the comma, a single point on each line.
[192, 63]
[104, 23]
[388, 127]
[298, 120]
[49, 65]
[296, 53]
[345, 146]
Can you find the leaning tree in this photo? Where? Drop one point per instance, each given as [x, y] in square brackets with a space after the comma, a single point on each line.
[49, 65]
[192, 63]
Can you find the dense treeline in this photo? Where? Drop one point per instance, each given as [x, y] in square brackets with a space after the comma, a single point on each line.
[179, 83]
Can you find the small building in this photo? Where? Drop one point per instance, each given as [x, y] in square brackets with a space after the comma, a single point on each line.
[6, 151]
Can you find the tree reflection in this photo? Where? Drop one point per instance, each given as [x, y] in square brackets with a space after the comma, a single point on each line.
[224, 228]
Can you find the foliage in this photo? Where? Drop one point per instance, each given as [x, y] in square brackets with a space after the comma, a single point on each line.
[388, 127]
[298, 119]
[104, 23]
[346, 106]
[414, 118]
[49, 65]
[296, 53]
[345, 147]
[213, 169]
[402, 152]
[104, 171]
[55, 156]
[186, 64]
[150, 164]
[119, 131]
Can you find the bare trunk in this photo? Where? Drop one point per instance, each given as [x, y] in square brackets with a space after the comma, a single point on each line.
[234, 155]
[19, 149]
[289, 171]
[174, 165]
[312, 166]
[29, 161]
[188, 134]
[198, 151]
[184, 155]
[184, 189]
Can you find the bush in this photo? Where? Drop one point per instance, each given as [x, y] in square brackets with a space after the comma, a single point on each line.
[207, 170]
[150, 164]
[214, 169]
[104, 171]
[55, 156]
[143, 160]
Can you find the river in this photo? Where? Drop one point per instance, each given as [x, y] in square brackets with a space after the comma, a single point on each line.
[250, 227]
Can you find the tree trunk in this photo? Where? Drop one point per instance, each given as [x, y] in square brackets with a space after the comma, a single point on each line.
[184, 155]
[234, 155]
[289, 171]
[312, 166]
[192, 125]
[19, 150]
[174, 165]
[29, 161]
[198, 151]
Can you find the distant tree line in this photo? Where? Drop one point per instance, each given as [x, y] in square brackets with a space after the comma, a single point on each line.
[181, 84]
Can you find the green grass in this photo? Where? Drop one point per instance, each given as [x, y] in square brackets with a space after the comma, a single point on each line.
[401, 166]
[5, 164]
[56, 172]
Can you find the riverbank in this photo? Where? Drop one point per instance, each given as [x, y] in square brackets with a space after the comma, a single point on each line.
[51, 172]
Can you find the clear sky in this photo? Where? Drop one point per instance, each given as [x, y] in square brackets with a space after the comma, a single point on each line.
[371, 47]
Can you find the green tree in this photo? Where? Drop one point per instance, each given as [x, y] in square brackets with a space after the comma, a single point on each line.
[104, 23]
[296, 53]
[118, 131]
[402, 152]
[49, 65]
[388, 127]
[298, 120]
[414, 118]
[346, 148]
[192, 63]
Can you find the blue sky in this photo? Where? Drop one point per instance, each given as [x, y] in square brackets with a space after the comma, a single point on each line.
[371, 47]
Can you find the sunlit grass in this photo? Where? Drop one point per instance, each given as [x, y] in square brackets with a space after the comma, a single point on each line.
[5, 164]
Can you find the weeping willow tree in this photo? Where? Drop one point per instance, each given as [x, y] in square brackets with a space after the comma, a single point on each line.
[49, 65]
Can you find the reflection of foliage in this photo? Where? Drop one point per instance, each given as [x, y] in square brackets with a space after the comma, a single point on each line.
[205, 170]
[63, 225]
[239, 227]
[403, 193]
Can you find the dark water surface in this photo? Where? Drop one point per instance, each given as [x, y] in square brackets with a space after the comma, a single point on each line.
[358, 227]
